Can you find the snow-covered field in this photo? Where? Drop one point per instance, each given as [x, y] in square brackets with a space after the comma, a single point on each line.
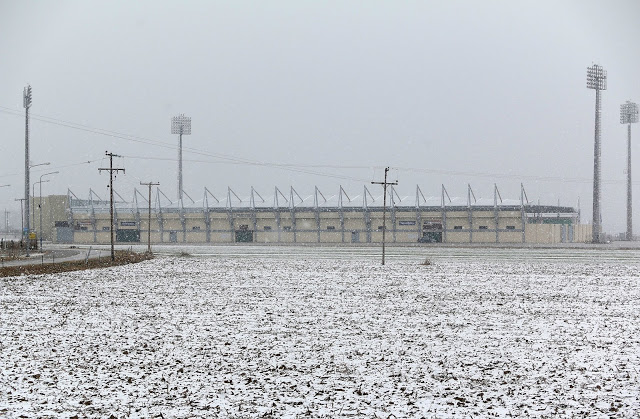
[320, 332]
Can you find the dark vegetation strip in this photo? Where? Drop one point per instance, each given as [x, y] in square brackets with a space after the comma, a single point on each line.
[121, 258]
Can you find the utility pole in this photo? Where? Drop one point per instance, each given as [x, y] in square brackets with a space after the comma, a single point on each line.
[111, 170]
[384, 207]
[26, 102]
[149, 184]
[629, 115]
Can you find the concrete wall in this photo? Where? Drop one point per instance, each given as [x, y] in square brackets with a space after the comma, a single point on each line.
[192, 227]
[51, 208]
[582, 233]
[557, 233]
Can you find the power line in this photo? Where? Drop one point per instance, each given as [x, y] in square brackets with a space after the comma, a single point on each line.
[292, 167]
[406, 169]
[54, 167]
[147, 141]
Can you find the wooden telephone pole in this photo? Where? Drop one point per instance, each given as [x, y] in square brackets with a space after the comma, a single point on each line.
[149, 184]
[111, 170]
[384, 207]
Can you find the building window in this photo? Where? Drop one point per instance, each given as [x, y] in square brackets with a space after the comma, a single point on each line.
[511, 227]
[267, 228]
[195, 228]
[380, 228]
[483, 228]
[331, 227]
[106, 228]
[286, 228]
[457, 227]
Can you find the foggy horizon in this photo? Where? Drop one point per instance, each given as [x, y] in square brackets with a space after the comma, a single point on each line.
[299, 94]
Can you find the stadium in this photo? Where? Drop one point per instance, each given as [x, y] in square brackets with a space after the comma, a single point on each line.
[292, 218]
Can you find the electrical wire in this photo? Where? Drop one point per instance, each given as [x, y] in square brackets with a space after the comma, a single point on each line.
[52, 167]
[114, 134]
[297, 168]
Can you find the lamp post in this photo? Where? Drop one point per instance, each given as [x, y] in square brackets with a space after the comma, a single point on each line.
[39, 164]
[6, 221]
[149, 184]
[40, 203]
[629, 115]
[34, 204]
[21, 217]
[26, 205]
[596, 80]
[180, 125]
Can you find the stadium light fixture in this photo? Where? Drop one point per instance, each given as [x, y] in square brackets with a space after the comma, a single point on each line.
[629, 115]
[26, 102]
[596, 80]
[180, 125]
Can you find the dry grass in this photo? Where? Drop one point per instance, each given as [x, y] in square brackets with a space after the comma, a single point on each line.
[121, 258]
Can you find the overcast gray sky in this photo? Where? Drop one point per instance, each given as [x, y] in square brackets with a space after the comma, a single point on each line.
[444, 92]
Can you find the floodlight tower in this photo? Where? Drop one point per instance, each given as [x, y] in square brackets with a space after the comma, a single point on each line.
[629, 115]
[596, 80]
[26, 102]
[180, 125]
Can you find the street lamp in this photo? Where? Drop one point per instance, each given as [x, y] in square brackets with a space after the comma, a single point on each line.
[629, 115]
[40, 204]
[34, 198]
[5, 215]
[596, 80]
[28, 166]
[180, 125]
[22, 217]
[33, 205]
[39, 164]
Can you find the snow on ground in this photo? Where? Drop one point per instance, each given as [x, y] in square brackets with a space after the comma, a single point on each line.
[326, 333]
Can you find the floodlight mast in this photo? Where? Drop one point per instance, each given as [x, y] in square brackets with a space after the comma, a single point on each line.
[26, 102]
[180, 125]
[596, 80]
[629, 115]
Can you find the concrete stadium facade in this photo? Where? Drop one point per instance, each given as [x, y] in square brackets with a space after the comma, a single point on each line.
[311, 220]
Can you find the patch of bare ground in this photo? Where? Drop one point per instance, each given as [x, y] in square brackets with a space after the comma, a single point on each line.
[122, 257]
